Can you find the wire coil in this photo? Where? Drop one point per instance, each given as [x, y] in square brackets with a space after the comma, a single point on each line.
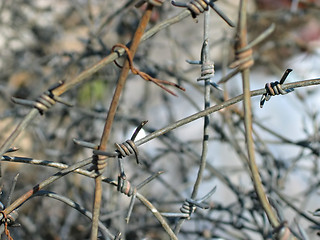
[125, 187]
[99, 162]
[127, 148]
[244, 59]
[196, 7]
[45, 101]
[188, 207]
[275, 88]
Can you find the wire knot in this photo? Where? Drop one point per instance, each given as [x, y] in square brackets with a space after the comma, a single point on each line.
[244, 59]
[144, 75]
[99, 163]
[196, 7]
[275, 88]
[45, 101]
[188, 207]
[207, 69]
[6, 220]
[127, 148]
[125, 187]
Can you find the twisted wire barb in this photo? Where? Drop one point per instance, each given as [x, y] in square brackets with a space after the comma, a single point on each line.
[244, 59]
[144, 75]
[275, 88]
[5, 220]
[45, 101]
[124, 149]
[207, 66]
[196, 7]
[189, 206]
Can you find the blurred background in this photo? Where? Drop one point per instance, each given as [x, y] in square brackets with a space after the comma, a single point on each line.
[45, 41]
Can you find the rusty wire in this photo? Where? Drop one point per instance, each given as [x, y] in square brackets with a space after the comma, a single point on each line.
[177, 146]
[275, 88]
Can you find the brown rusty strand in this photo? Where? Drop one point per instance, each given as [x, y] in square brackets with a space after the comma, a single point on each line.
[275, 88]
[125, 187]
[244, 60]
[5, 220]
[126, 149]
[144, 75]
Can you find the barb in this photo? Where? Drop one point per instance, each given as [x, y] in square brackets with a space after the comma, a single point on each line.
[207, 66]
[275, 88]
[45, 101]
[110, 118]
[189, 206]
[144, 75]
[124, 186]
[124, 149]
[196, 7]
[244, 58]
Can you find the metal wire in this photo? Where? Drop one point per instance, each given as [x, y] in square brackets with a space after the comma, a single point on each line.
[125, 187]
[196, 7]
[127, 148]
[275, 88]
[45, 101]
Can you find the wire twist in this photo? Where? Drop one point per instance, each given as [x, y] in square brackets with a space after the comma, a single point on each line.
[196, 7]
[45, 101]
[188, 208]
[144, 75]
[99, 162]
[207, 69]
[125, 187]
[244, 59]
[275, 88]
[6, 220]
[127, 148]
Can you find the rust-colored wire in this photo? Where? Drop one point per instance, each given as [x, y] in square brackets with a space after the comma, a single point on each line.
[6, 230]
[144, 75]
